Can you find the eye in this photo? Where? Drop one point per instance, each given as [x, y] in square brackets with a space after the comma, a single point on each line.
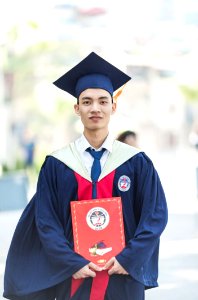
[103, 102]
[86, 102]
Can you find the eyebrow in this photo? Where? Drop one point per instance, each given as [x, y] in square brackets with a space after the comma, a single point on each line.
[90, 98]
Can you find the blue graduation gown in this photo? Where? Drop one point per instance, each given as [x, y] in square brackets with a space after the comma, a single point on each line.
[41, 259]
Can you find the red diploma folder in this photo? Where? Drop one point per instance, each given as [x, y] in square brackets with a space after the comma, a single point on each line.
[98, 229]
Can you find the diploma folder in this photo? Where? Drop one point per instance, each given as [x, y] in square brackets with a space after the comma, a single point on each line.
[98, 229]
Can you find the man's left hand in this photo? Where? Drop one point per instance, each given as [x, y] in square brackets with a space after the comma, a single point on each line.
[114, 267]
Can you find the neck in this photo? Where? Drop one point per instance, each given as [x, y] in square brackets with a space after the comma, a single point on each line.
[96, 139]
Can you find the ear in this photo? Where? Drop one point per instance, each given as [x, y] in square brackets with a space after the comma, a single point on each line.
[114, 107]
[76, 109]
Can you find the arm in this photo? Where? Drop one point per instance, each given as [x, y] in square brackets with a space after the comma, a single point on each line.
[150, 206]
[48, 221]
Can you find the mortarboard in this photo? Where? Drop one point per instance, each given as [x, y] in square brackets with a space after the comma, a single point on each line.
[92, 72]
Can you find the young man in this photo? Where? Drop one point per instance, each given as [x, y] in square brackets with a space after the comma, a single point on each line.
[41, 263]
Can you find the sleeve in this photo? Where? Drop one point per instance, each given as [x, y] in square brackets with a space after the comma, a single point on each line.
[48, 221]
[40, 255]
[142, 249]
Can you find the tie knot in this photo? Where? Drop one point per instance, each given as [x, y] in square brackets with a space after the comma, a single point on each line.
[96, 154]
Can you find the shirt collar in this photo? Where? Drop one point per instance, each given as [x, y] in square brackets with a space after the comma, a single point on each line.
[84, 144]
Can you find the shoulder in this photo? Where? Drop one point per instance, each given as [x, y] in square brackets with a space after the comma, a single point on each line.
[136, 157]
[54, 160]
[133, 153]
[123, 151]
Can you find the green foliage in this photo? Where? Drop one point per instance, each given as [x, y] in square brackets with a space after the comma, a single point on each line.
[30, 65]
[19, 165]
[190, 93]
[32, 24]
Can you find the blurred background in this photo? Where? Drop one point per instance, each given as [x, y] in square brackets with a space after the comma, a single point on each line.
[155, 42]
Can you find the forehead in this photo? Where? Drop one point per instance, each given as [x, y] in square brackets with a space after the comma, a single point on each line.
[94, 93]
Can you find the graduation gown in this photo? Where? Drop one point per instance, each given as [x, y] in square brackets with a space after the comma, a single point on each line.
[41, 259]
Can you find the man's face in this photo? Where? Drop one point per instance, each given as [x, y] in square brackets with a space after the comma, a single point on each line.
[95, 108]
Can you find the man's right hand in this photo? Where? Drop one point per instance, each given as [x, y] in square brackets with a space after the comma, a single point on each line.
[87, 271]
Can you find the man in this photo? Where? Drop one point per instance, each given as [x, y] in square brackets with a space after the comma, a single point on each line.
[41, 263]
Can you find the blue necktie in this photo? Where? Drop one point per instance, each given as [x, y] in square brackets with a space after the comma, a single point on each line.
[96, 168]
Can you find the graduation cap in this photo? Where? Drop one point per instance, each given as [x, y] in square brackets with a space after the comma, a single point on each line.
[92, 72]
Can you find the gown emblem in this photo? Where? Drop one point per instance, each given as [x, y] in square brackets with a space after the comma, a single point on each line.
[124, 183]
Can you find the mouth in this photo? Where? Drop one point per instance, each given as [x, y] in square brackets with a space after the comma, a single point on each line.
[95, 118]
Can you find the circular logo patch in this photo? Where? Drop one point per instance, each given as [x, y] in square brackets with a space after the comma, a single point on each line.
[124, 183]
[97, 218]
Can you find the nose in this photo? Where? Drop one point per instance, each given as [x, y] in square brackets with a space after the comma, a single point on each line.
[95, 107]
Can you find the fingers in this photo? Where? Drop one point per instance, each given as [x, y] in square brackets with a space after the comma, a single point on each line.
[114, 267]
[94, 267]
[87, 271]
[109, 264]
[90, 273]
[90, 270]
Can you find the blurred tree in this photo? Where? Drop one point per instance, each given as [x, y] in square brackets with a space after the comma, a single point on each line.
[25, 66]
[190, 93]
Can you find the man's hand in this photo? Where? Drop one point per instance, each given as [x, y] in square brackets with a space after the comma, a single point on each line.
[114, 267]
[87, 271]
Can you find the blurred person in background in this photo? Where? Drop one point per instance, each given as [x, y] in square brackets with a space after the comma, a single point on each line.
[28, 144]
[193, 137]
[128, 137]
[41, 262]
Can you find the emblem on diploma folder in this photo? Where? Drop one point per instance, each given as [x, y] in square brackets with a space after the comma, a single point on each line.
[98, 229]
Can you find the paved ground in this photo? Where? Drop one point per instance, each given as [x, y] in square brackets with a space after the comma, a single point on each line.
[178, 271]
[179, 244]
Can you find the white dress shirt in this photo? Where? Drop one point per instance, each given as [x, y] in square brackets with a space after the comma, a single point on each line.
[82, 144]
